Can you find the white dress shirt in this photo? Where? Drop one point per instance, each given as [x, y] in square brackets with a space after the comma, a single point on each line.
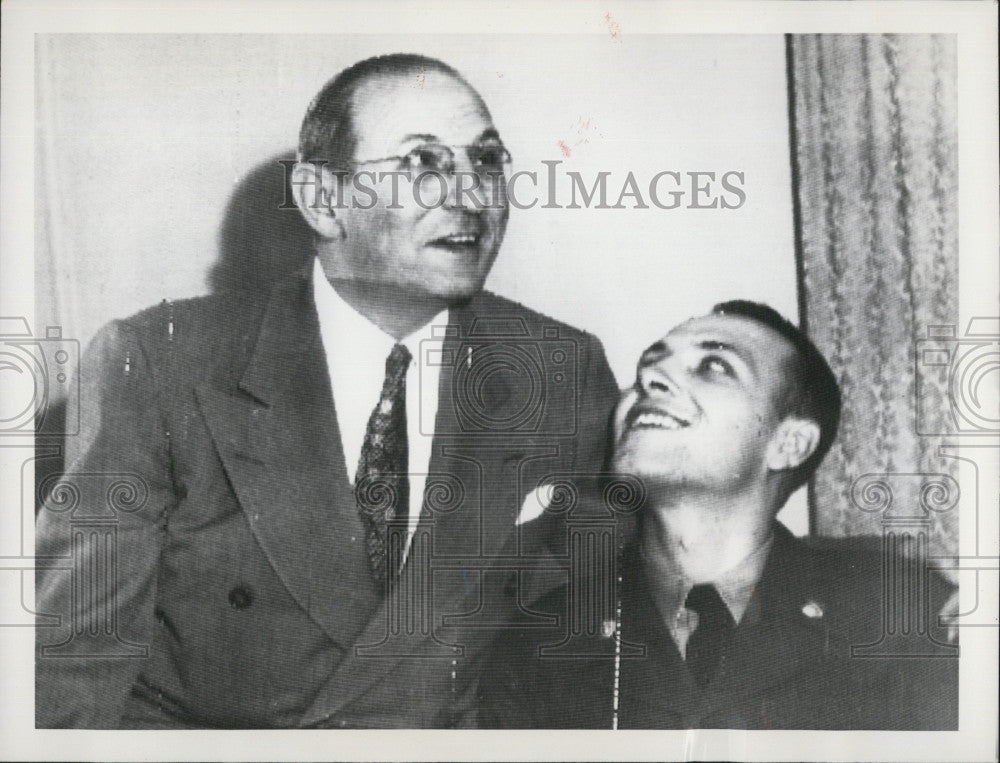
[356, 350]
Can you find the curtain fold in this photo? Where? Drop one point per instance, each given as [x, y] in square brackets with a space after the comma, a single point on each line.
[874, 151]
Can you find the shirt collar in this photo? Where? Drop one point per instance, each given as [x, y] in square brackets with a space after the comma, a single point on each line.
[346, 328]
[670, 586]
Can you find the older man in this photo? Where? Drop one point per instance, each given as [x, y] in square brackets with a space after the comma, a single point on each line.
[721, 618]
[325, 480]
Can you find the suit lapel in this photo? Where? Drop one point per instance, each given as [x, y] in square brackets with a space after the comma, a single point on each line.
[494, 468]
[482, 461]
[281, 448]
[476, 465]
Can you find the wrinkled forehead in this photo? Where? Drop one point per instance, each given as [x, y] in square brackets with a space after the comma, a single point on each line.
[419, 106]
[763, 346]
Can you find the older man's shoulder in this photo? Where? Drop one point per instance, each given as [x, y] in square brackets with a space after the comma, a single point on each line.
[540, 326]
[195, 337]
[221, 312]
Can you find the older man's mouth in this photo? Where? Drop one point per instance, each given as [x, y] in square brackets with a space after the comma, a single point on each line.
[654, 418]
[458, 242]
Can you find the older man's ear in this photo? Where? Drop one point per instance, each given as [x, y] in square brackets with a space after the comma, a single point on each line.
[793, 442]
[317, 194]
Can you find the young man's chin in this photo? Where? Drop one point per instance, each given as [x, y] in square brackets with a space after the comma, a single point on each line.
[646, 467]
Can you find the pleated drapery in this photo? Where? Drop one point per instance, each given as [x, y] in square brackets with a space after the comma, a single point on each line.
[874, 153]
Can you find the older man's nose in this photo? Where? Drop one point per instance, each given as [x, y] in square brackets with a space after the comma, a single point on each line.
[465, 188]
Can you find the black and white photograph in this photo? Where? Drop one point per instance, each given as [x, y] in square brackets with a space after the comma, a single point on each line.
[626, 374]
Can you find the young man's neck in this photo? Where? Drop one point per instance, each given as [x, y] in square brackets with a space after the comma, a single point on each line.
[706, 536]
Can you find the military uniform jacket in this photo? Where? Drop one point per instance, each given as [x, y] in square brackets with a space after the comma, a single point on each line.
[203, 561]
[812, 652]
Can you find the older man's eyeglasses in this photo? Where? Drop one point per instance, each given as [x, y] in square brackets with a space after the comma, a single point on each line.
[485, 159]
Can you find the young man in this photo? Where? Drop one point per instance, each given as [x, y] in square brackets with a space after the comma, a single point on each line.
[721, 618]
[296, 459]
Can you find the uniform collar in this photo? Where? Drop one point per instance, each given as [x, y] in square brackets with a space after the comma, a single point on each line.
[669, 585]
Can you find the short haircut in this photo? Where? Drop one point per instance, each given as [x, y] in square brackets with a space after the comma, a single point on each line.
[811, 389]
[327, 132]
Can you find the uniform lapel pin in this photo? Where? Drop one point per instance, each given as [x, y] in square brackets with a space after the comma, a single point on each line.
[812, 610]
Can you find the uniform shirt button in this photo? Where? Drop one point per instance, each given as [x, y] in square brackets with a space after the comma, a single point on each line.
[240, 597]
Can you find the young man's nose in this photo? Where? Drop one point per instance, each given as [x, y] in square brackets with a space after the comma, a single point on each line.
[655, 380]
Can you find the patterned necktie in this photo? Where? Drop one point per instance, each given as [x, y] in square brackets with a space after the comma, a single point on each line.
[715, 628]
[382, 487]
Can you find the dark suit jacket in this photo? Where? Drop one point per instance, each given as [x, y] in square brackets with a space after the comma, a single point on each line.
[790, 665]
[208, 485]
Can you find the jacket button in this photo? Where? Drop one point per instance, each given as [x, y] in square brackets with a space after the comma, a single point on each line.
[240, 597]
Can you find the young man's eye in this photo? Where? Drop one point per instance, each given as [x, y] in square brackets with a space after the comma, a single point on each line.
[713, 365]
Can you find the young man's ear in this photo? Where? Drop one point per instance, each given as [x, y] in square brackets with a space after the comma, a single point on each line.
[316, 192]
[793, 442]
